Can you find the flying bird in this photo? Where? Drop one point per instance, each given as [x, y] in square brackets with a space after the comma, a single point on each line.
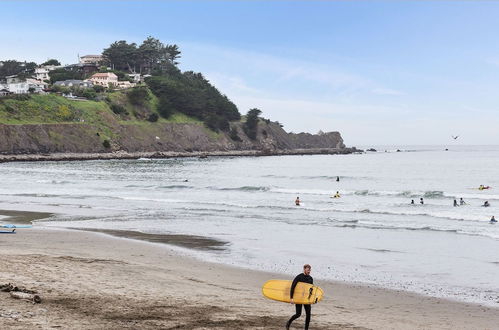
[455, 137]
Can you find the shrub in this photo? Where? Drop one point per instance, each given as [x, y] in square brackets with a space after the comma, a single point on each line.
[211, 121]
[98, 88]
[153, 117]
[165, 107]
[106, 144]
[64, 112]
[223, 124]
[233, 135]
[138, 95]
[89, 94]
[118, 109]
[21, 97]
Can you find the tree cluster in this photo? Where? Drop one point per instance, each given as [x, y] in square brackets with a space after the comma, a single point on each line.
[190, 93]
[13, 67]
[65, 74]
[250, 127]
[52, 61]
[151, 55]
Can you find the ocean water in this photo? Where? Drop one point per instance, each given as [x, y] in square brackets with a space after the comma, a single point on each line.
[370, 235]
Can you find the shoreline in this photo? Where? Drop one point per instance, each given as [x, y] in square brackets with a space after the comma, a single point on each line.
[170, 154]
[91, 280]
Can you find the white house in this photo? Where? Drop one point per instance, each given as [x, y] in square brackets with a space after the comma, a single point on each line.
[36, 86]
[16, 85]
[125, 84]
[42, 72]
[18, 88]
[135, 77]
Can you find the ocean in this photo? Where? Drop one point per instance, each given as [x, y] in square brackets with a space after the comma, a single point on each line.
[371, 235]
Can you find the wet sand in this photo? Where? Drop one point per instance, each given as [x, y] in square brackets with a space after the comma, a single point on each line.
[185, 241]
[21, 217]
[91, 280]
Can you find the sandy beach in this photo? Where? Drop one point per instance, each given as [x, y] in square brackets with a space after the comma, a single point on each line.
[91, 280]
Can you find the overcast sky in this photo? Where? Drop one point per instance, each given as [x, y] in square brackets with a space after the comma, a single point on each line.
[406, 72]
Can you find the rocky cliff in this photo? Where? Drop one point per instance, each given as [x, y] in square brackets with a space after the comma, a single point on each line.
[51, 124]
[153, 137]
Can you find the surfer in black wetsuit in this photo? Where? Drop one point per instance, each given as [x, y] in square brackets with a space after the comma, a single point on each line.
[306, 278]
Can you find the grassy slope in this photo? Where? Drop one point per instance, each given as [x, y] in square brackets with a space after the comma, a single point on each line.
[53, 109]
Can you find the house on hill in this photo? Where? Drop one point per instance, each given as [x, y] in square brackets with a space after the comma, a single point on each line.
[42, 72]
[107, 79]
[136, 77]
[125, 84]
[86, 69]
[104, 79]
[91, 59]
[35, 86]
[4, 91]
[18, 85]
[74, 83]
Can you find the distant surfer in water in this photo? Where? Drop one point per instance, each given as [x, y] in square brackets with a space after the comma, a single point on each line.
[461, 201]
[486, 204]
[421, 201]
[412, 201]
[337, 195]
[337, 179]
[493, 220]
[305, 278]
[455, 203]
[297, 201]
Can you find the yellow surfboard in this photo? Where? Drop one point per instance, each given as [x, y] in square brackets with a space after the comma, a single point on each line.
[305, 293]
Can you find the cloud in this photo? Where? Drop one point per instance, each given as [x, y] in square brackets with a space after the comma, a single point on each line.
[278, 72]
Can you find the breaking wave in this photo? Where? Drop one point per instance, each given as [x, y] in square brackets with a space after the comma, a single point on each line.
[246, 188]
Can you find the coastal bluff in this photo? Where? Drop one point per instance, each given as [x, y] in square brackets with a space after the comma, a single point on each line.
[60, 141]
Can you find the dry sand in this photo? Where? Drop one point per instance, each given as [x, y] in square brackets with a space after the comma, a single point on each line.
[92, 280]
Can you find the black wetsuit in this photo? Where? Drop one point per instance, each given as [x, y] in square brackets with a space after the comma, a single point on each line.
[308, 308]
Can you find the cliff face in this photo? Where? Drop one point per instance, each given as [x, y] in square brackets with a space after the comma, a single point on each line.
[149, 137]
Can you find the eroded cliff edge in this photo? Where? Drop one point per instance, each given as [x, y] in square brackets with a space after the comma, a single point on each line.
[84, 141]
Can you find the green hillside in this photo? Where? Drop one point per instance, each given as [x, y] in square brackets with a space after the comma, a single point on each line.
[52, 109]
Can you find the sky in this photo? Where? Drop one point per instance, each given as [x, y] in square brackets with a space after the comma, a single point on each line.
[379, 72]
